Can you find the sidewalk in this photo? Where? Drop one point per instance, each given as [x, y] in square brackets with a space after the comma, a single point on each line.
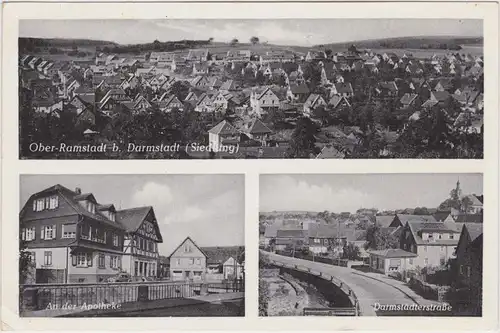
[400, 285]
[137, 306]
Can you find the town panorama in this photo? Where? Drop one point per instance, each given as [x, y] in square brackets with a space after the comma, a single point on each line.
[413, 97]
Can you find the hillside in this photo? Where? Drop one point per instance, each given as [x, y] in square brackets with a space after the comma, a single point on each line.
[26, 43]
[428, 42]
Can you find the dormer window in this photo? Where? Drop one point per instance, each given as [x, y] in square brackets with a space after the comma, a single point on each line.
[90, 207]
[41, 204]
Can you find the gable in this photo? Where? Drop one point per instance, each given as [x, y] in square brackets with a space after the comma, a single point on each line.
[149, 228]
[187, 249]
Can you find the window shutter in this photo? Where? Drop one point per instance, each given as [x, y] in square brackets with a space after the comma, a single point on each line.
[42, 233]
[54, 233]
[33, 232]
[34, 205]
[73, 259]
[23, 234]
[89, 259]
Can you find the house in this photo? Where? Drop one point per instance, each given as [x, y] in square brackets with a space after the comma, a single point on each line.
[169, 102]
[197, 55]
[400, 220]
[338, 101]
[48, 106]
[140, 247]
[262, 100]
[200, 68]
[443, 216]
[188, 262]
[390, 261]
[224, 261]
[343, 89]
[71, 237]
[204, 104]
[444, 85]
[295, 238]
[297, 92]
[258, 131]
[315, 55]
[223, 134]
[434, 243]
[312, 102]
[321, 238]
[408, 100]
[469, 263]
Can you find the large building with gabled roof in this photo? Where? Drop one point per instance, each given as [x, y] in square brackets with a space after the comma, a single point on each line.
[140, 247]
[73, 238]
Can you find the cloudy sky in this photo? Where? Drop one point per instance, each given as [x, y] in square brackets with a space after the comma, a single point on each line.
[302, 32]
[208, 208]
[347, 193]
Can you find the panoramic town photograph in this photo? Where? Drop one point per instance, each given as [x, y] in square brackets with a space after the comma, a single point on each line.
[131, 246]
[371, 245]
[248, 88]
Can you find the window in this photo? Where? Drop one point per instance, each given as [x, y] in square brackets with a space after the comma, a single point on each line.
[91, 207]
[28, 234]
[451, 236]
[102, 261]
[49, 232]
[440, 236]
[115, 262]
[82, 259]
[178, 261]
[116, 241]
[191, 261]
[53, 202]
[425, 248]
[187, 248]
[426, 261]
[112, 216]
[316, 240]
[442, 248]
[69, 231]
[198, 261]
[39, 205]
[411, 261]
[468, 271]
[47, 258]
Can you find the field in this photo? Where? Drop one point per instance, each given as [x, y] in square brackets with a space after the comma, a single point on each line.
[427, 53]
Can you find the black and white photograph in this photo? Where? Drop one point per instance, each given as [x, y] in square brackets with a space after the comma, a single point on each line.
[251, 88]
[371, 245]
[131, 246]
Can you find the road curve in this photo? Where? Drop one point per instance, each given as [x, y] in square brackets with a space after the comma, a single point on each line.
[369, 291]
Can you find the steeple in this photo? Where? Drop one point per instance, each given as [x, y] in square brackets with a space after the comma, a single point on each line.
[458, 190]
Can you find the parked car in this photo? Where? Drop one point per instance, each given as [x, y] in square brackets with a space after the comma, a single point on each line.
[120, 277]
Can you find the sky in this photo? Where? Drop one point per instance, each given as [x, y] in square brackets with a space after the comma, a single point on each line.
[208, 208]
[300, 32]
[349, 192]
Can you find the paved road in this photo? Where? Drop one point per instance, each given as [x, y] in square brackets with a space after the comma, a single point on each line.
[368, 290]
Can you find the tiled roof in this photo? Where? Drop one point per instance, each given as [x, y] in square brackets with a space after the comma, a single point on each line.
[393, 253]
[224, 127]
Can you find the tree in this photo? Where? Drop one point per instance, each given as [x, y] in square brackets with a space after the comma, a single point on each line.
[378, 239]
[25, 263]
[303, 142]
[210, 40]
[350, 251]
[234, 42]
[254, 40]
[421, 211]
[465, 204]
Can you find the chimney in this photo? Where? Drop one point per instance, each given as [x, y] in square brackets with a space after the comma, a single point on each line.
[78, 190]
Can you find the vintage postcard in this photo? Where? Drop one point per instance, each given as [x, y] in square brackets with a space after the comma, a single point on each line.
[362, 245]
[156, 246]
[359, 189]
[272, 88]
